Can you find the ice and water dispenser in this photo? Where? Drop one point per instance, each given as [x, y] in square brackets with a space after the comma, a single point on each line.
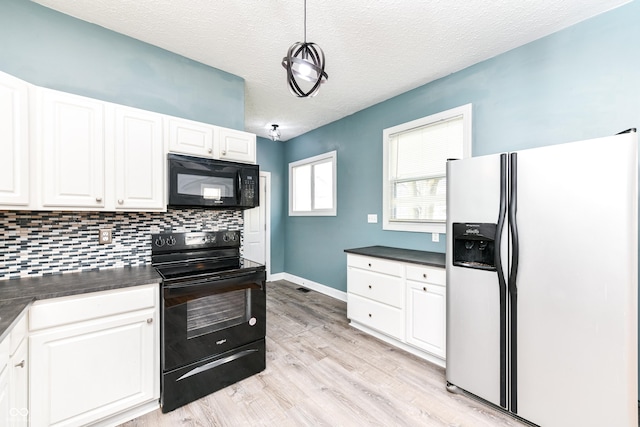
[474, 245]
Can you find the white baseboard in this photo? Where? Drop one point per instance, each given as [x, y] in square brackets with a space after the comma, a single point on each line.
[309, 284]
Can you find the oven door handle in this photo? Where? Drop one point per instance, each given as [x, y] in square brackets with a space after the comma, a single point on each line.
[183, 292]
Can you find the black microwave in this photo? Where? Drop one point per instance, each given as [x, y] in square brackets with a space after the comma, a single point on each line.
[207, 183]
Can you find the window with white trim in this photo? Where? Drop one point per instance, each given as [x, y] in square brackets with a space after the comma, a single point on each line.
[414, 169]
[312, 186]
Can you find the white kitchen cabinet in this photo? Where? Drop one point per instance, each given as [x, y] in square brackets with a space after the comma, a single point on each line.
[93, 356]
[135, 143]
[14, 142]
[236, 146]
[426, 304]
[70, 141]
[402, 303]
[19, 374]
[375, 295]
[189, 137]
[5, 414]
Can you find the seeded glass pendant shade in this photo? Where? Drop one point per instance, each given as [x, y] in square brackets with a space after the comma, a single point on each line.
[305, 66]
[274, 133]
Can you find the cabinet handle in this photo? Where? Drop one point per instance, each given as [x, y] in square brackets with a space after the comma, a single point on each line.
[369, 314]
[21, 364]
[98, 199]
[150, 320]
[424, 288]
[369, 286]
[424, 275]
[224, 152]
[209, 151]
[120, 201]
[369, 264]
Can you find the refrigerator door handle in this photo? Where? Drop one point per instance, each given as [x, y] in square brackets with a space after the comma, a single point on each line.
[502, 283]
[513, 277]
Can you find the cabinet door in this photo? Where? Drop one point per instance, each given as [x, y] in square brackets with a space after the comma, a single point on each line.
[188, 137]
[426, 317]
[236, 146]
[71, 145]
[87, 371]
[14, 141]
[139, 159]
[19, 386]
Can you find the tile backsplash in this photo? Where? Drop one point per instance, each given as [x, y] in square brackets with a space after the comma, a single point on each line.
[35, 243]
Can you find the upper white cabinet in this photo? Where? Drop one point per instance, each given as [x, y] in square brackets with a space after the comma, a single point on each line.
[189, 137]
[237, 146]
[70, 140]
[14, 141]
[214, 142]
[135, 139]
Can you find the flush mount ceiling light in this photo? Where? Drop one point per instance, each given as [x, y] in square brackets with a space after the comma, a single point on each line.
[274, 133]
[305, 62]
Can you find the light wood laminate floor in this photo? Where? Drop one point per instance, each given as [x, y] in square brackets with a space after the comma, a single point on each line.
[322, 372]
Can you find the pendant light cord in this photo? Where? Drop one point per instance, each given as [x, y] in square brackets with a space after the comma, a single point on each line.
[305, 21]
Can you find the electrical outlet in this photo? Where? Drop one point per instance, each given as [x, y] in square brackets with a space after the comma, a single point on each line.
[372, 218]
[435, 237]
[105, 236]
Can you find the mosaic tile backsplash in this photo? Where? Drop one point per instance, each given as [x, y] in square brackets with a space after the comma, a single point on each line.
[35, 243]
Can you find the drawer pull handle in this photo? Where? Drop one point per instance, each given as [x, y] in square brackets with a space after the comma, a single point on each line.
[424, 275]
[369, 264]
[98, 199]
[21, 364]
[424, 288]
[369, 286]
[369, 314]
[150, 320]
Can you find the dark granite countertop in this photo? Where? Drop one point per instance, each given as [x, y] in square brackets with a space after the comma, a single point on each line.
[17, 294]
[433, 259]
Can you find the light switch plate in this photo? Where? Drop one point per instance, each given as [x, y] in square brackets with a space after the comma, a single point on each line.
[105, 236]
[372, 218]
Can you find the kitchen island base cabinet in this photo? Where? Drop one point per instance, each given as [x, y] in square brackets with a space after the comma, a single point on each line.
[101, 359]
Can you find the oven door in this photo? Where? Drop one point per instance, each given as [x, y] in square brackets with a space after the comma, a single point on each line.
[210, 316]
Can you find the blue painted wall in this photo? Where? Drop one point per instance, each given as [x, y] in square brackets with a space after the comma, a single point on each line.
[582, 82]
[53, 50]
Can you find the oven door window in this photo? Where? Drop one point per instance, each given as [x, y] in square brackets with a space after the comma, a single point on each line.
[218, 312]
[206, 187]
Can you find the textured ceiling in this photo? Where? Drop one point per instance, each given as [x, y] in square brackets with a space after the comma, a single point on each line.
[374, 49]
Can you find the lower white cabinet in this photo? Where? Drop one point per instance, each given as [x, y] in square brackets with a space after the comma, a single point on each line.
[5, 417]
[399, 302]
[93, 356]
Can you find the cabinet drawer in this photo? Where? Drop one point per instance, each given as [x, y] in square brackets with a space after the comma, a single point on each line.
[426, 274]
[375, 264]
[18, 333]
[386, 319]
[62, 311]
[375, 286]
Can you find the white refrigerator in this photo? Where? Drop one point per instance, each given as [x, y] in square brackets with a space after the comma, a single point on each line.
[542, 273]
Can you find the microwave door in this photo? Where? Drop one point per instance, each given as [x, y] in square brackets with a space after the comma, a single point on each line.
[205, 189]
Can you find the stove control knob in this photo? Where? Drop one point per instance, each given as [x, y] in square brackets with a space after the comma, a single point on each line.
[234, 237]
[225, 237]
[159, 241]
[171, 241]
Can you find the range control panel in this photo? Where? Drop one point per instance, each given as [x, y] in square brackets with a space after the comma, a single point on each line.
[170, 242]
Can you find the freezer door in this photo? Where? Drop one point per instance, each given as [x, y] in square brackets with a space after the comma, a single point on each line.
[577, 283]
[473, 296]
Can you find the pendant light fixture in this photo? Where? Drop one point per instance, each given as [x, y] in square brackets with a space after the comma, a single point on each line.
[305, 62]
[274, 133]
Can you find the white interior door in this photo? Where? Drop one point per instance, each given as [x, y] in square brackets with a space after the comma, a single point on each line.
[256, 239]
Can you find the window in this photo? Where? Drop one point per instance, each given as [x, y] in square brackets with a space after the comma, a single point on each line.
[312, 186]
[414, 169]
